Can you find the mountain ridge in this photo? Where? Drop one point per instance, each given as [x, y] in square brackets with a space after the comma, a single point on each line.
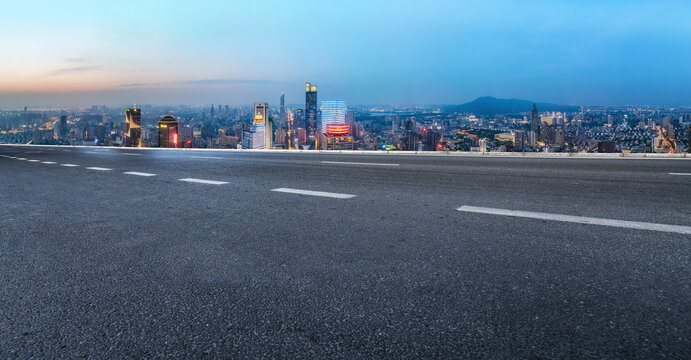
[489, 105]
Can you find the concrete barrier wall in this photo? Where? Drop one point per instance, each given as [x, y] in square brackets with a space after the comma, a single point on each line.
[409, 153]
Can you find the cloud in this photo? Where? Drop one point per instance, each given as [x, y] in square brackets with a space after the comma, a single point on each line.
[78, 60]
[139, 84]
[225, 82]
[74, 70]
[202, 82]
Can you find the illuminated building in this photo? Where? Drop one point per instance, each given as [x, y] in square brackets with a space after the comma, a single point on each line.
[133, 127]
[336, 142]
[311, 109]
[168, 135]
[262, 134]
[280, 136]
[300, 118]
[333, 113]
[302, 136]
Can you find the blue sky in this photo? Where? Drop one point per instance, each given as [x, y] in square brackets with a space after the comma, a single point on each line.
[366, 52]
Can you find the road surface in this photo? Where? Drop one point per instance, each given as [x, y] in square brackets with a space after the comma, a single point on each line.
[141, 253]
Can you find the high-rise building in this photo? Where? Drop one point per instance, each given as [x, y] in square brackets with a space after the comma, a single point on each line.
[168, 135]
[262, 124]
[63, 127]
[311, 109]
[281, 136]
[534, 124]
[282, 111]
[333, 119]
[133, 127]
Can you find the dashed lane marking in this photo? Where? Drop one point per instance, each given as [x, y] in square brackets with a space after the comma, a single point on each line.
[135, 173]
[314, 193]
[579, 219]
[202, 181]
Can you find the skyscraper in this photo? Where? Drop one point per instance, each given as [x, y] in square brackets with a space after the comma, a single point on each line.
[262, 123]
[334, 131]
[282, 113]
[333, 117]
[63, 127]
[133, 127]
[311, 109]
[168, 132]
[535, 120]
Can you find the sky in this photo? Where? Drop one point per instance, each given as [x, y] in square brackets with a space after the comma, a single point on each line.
[403, 52]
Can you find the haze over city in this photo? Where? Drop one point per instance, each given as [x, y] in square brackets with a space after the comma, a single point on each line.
[76, 53]
[345, 179]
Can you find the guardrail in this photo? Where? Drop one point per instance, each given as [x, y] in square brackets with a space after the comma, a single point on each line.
[385, 153]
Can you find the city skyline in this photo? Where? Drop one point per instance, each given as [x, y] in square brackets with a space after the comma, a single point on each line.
[78, 53]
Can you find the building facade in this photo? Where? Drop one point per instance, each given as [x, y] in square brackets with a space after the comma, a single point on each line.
[168, 134]
[133, 127]
[311, 109]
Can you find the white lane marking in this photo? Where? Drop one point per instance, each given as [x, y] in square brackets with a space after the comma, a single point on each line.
[314, 193]
[138, 173]
[33, 160]
[67, 150]
[579, 219]
[49, 162]
[21, 159]
[131, 154]
[357, 163]
[69, 165]
[681, 174]
[202, 181]
[99, 168]
[206, 157]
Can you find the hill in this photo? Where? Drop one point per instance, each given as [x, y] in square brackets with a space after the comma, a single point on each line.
[488, 105]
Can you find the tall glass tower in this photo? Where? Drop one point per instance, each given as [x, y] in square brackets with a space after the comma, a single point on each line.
[311, 108]
[333, 115]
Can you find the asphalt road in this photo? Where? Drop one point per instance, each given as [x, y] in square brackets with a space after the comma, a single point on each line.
[134, 262]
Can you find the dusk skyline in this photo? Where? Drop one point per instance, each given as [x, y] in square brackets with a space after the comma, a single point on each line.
[570, 52]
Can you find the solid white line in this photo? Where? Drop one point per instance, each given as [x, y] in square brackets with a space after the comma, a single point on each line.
[357, 163]
[69, 165]
[49, 162]
[314, 193]
[579, 219]
[138, 173]
[202, 181]
[681, 174]
[99, 168]
[206, 157]
[131, 154]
